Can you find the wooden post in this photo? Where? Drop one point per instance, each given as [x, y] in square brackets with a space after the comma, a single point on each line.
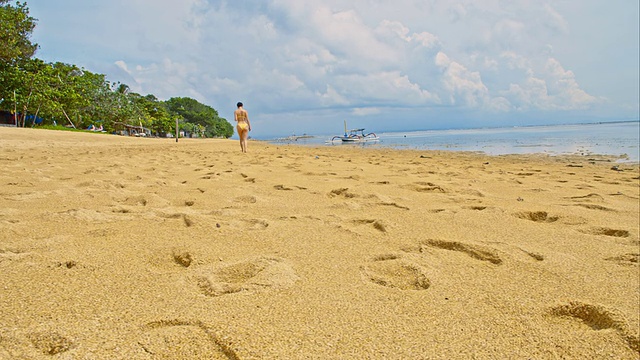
[177, 133]
[67, 116]
[15, 109]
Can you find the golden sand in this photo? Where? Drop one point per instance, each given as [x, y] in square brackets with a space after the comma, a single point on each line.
[128, 248]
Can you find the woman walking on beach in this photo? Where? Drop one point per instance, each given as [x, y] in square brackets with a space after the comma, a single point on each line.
[243, 127]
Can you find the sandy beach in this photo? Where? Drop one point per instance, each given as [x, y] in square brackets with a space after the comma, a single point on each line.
[130, 248]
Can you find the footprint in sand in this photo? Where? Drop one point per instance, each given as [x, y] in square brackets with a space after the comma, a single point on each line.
[477, 208]
[170, 259]
[393, 204]
[589, 198]
[377, 224]
[523, 174]
[425, 187]
[598, 317]
[247, 199]
[177, 339]
[537, 216]
[594, 207]
[534, 255]
[12, 254]
[227, 219]
[255, 224]
[607, 232]
[151, 200]
[250, 275]
[10, 216]
[471, 192]
[186, 219]
[34, 345]
[67, 265]
[27, 196]
[51, 343]
[342, 192]
[395, 272]
[94, 216]
[626, 259]
[436, 211]
[475, 251]
[182, 257]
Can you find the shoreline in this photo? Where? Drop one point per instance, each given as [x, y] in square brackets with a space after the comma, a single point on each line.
[123, 247]
[503, 141]
[589, 158]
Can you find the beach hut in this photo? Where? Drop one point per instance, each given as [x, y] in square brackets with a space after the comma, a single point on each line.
[131, 130]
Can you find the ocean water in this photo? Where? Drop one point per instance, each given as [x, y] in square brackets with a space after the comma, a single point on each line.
[619, 139]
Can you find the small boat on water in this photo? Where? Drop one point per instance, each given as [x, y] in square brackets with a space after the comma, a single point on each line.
[355, 135]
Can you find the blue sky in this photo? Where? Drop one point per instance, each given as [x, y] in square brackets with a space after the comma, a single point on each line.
[305, 66]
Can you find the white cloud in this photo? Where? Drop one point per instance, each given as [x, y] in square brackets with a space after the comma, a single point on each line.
[489, 63]
[393, 29]
[554, 20]
[565, 88]
[366, 111]
[442, 60]
[425, 39]
[166, 77]
[508, 30]
[530, 95]
[553, 88]
[383, 87]
[515, 61]
[331, 97]
[457, 12]
[345, 35]
[499, 104]
[462, 85]
[122, 65]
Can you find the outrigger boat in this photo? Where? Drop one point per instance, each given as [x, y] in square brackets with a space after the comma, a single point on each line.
[355, 135]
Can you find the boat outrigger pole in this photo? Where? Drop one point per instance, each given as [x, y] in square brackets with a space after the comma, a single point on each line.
[355, 135]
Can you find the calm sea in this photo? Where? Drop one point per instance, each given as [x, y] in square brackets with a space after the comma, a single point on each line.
[620, 139]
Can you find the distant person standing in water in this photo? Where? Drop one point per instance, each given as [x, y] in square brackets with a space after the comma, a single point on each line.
[241, 116]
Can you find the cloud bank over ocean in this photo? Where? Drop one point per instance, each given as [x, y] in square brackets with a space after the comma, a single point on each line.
[402, 65]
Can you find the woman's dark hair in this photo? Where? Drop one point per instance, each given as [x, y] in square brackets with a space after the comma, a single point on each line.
[239, 104]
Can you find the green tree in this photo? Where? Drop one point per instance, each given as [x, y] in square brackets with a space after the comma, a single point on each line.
[58, 90]
[16, 27]
[35, 86]
[67, 93]
[122, 106]
[154, 114]
[199, 114]
[32, 86]
[95, 89]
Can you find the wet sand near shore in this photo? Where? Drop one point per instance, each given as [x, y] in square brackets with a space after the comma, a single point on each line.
[132, 248]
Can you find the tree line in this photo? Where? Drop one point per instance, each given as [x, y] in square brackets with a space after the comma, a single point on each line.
[40, 93]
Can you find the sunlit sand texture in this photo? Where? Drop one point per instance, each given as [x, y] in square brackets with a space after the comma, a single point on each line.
[130, 248]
